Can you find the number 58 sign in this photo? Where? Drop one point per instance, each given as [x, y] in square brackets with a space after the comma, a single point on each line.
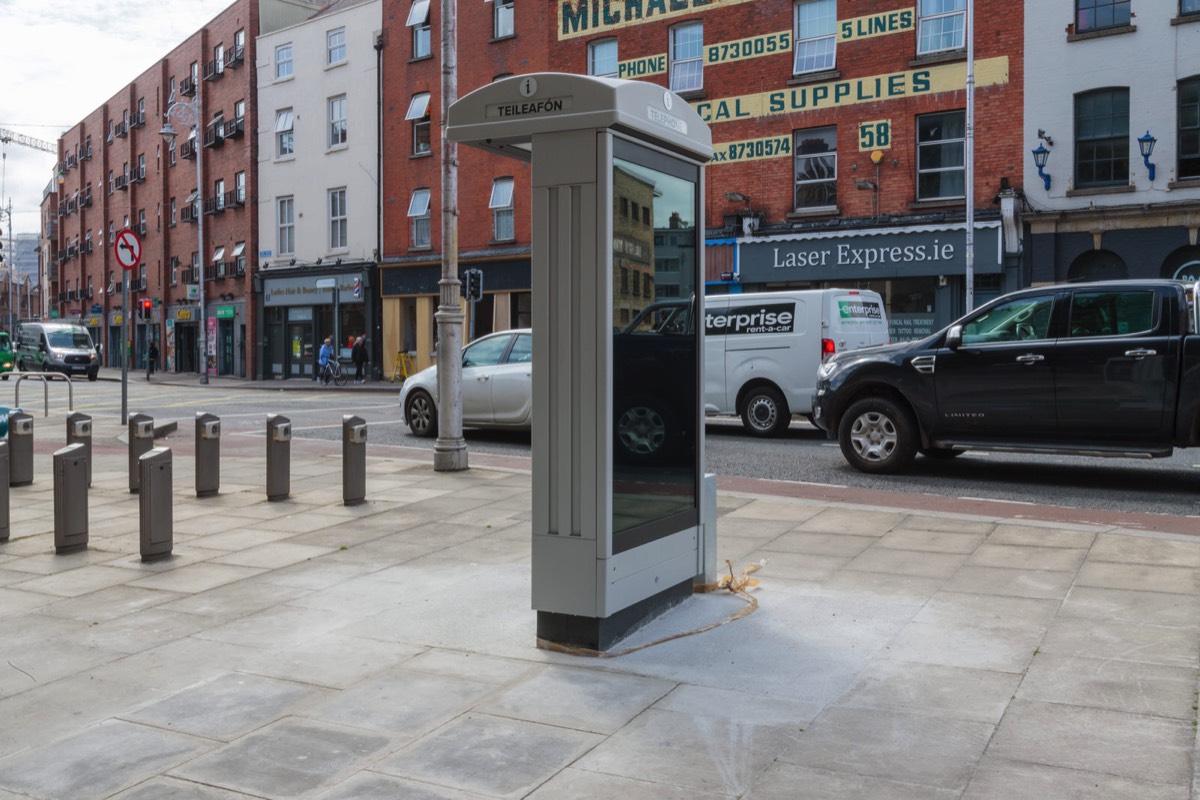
[875, 135]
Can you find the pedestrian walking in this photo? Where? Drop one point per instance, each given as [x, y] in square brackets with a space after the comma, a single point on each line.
[151, 358]
[358, 354]
[323, 357]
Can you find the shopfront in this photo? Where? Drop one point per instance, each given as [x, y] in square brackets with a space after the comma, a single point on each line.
[116, 346]
[919, 270]
[410, 300]
[301, 307]
[227, 330]
[182, 336]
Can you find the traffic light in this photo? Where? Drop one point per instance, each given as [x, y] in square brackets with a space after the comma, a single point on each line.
[474, 284]
[147, 308]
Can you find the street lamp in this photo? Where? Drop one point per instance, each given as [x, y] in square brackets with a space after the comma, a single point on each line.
[1146, 146]
[188, 113]
[1040, 156]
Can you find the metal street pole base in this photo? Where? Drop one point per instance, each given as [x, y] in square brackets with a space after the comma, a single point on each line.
[450, 455]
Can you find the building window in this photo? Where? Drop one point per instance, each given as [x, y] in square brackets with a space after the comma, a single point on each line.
[219, 57]
[337, 121]
[1189, 6]
[171, 152]
[687, 57]
[284, 139]
[816, 36]
[418, 212]
[337, 219]
[418, 113]
[501, 204]
[195, 276]
[219, 194]
[816, 168]
[941, 25]
[335, 46]
[602, 58]
[941, 156]
[1102, 138]
[239, 110]
[1094, 15]
[287, 225]
[239, 186]
[239, 39]
[174, 212]
[283, 61]
[504, 18]
[1189, 127]
[418, 20]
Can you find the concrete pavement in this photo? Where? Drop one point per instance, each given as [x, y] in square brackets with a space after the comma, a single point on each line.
[302, 649]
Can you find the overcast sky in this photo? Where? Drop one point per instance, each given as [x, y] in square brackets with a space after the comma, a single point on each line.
[63, 59]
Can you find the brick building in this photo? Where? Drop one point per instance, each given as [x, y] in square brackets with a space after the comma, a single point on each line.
[119, 172]
[839, 128]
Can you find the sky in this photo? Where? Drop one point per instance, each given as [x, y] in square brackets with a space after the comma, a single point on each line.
[63, 59]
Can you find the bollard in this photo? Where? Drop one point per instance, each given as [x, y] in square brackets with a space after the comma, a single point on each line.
[70, 499]
[354, 460]
[141, 439]
[20, 454]
[279, 459]
[4, 493]
[154, 504]
[208, 454]
[79, 429]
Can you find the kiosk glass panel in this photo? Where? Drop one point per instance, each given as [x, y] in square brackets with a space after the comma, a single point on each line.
[655, 348]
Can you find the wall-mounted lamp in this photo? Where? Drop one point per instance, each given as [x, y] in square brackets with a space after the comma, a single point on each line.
[1040, 154]
[860, 183]
[1146, 145]
[737, 197]
[319, 260]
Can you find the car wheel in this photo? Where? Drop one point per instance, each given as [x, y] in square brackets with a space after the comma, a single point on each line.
[878, 436]
[940, 453]
[93, 375]
[644, 430]
[421, 414]
[765, 412]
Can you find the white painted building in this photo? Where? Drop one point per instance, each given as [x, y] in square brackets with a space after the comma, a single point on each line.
[1099, 76]
[319, 215]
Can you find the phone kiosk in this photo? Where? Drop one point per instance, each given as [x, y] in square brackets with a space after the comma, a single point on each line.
[623, 516]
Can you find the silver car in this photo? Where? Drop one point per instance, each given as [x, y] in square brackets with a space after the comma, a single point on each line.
[497, 386]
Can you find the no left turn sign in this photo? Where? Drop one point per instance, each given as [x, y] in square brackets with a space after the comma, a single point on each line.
[128, 249]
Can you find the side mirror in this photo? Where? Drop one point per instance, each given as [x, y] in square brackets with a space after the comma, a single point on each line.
[954, 337]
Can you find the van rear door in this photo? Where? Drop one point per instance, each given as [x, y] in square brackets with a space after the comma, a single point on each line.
[855, 319]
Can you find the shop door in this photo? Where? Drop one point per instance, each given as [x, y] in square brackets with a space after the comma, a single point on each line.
[185, 348]
[225, 347]
[300, 349]
[116, 352]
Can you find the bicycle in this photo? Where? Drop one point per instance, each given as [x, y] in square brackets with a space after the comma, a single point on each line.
[332, 371]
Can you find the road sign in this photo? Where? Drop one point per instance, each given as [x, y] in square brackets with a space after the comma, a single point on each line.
[128, 249]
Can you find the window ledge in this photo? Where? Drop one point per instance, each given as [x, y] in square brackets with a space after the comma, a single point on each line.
[502, 241]
[496, 39]
[337, 64]
[949, 203]
[941, 57]
[819, 211]
[421, 155]
[1185, 19]
[1185, 183]
[419, 59]
[1101, 190]
[1117, 31]
[283, 159]
[336, 148]
[814, 77]
[284, 79]
[693, 94]
[425, 248]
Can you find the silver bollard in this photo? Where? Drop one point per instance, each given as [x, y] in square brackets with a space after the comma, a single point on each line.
[208, 454]
[279, 457]
[20, 454]
[70, 499]
[154, 504]
[4, 493]
[141, 439]
[354, 460]
[79, 430]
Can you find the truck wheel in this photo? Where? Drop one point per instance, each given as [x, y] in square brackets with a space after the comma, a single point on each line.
[765, 412]
[877, 436]
[421, 415]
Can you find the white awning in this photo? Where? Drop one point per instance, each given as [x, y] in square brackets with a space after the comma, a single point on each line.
[219, 254]
[238, 249]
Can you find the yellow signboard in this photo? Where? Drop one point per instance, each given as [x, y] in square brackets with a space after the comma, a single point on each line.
[768, 44]
[752, 149]
[898, 21]
[875, 134]
[590, 17]
[183, 314]
[871, 89]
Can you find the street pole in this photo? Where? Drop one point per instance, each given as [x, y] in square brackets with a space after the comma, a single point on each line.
[969, 156]
[190, 113]
[126, 338]
[450, 450]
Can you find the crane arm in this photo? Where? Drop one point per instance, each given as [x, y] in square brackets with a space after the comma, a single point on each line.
[7, 136]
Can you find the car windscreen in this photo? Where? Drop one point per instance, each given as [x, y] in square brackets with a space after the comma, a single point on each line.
[76, 340]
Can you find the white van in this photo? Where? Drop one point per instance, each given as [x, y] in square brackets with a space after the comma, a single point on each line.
[762, 350]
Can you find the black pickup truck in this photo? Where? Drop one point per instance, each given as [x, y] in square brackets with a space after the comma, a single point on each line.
[1097, 369]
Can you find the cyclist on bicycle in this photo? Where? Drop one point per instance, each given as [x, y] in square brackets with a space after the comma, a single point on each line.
[323, 358]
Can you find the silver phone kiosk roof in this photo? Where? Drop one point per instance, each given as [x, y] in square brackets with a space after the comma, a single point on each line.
[505, 116]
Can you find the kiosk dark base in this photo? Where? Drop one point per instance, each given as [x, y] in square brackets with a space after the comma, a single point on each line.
[623, 520]
[602, 634]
